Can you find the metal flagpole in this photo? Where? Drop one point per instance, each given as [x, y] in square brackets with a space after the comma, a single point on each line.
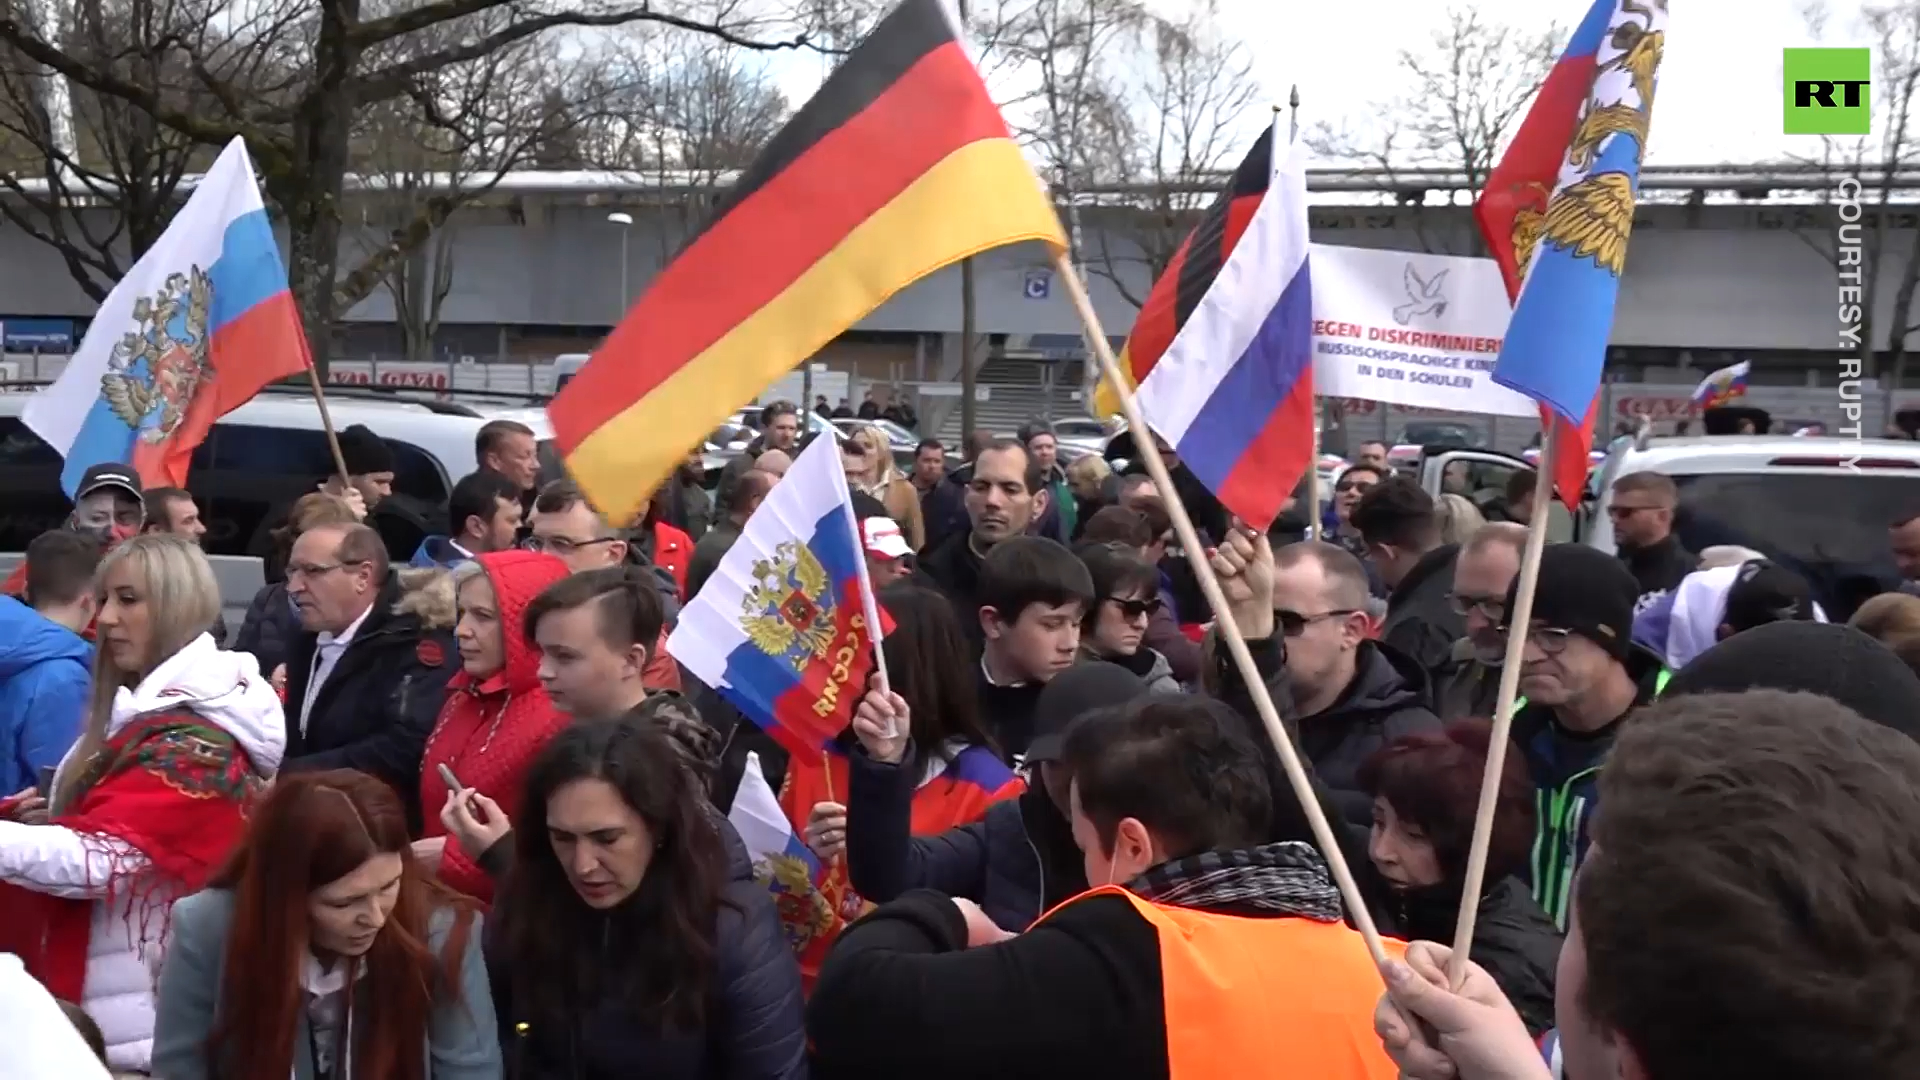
[1313, 462]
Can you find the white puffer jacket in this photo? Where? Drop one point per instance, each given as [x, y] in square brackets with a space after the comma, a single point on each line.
[227, 690]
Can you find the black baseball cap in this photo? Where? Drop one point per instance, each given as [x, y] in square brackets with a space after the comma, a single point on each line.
[1765, 592]
[1075, 692]
[109, 474]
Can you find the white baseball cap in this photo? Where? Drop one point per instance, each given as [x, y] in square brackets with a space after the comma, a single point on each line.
[884, 538]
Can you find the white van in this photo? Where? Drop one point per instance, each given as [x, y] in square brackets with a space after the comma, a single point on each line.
[1820, 506]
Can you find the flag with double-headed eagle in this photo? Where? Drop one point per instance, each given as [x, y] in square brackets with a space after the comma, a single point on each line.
[785, 628]
[1556, 214]
[200, 324]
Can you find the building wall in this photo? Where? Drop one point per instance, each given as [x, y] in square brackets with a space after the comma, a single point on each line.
[1711, 278]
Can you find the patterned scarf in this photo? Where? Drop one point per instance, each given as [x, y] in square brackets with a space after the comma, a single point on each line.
[1287, 878]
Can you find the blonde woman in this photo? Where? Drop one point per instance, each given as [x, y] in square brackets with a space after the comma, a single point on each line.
[1458, 518]
[147, 804]
[880, 479]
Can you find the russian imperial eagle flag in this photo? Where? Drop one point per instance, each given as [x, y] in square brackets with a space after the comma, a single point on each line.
[200, 324]
[899, 166]
[781, 628]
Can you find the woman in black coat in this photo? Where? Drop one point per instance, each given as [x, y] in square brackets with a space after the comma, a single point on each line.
[629, 937]
[1426, 790]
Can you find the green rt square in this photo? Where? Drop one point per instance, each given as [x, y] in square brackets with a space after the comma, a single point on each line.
[1827, 91]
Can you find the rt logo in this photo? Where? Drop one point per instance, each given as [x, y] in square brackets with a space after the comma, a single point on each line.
[1828, 91]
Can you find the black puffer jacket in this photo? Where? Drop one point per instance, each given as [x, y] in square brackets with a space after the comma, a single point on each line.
[1512, 939]
[1388, 698]
[269, 628]
[757, 1025]
[1016, 862]
[1421, 622]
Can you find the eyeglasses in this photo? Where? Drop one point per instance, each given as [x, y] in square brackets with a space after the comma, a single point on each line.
[561, 545]
[1134, 609]
[1293, 624]
[1345, 486]
[1551, 640]
[1490, 607]
[313, 570]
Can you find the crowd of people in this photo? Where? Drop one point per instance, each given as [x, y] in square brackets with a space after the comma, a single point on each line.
[448, 809]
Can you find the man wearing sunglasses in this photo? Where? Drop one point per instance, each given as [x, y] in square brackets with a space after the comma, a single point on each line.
[1641, 506]
[1582, 675]
[1352, 696]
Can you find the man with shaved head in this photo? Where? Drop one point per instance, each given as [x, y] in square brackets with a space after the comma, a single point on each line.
[1489, 561]
[752, 489]
[1351, 697]
[369, 670]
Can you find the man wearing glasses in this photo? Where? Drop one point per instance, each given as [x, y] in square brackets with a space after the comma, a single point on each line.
[1481, 579]
[1581, 675]
[1641, 507]
[1352, 696]
[566, 524]
[368, 673]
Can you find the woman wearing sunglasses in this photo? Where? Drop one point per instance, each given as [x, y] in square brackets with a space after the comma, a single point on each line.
[1126, 595]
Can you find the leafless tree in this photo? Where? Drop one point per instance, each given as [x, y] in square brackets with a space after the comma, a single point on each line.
[1887, 238]
[1183, 123]
[294, 77]
[1463, 95]
[1064, 92]
[75, 152]
[688, 112]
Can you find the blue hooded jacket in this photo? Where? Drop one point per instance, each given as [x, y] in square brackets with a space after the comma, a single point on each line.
[45, 671]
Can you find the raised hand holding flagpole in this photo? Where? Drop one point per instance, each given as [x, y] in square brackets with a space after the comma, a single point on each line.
[1579, 147]
[1230, 632]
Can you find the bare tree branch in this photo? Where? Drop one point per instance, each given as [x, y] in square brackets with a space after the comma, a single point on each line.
[1464, 95]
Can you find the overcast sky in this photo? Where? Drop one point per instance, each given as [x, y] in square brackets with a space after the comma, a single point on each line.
[1719, 98]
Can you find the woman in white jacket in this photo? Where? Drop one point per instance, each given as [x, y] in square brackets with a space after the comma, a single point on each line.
[146, 805]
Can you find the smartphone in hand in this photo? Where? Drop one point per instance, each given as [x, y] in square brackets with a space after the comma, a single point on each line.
[43, 781]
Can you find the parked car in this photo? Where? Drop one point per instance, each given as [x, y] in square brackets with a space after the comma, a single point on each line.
[263, 455]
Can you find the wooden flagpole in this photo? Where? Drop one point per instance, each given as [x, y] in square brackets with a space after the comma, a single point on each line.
[1517, 622]
[326, 421]
[1229, 632]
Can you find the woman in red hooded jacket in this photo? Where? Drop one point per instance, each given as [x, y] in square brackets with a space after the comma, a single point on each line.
[497, 715]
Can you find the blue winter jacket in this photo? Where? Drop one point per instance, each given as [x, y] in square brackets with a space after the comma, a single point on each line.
[45, 670]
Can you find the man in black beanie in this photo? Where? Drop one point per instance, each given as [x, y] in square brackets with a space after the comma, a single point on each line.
[1581, 675]
[1828, 659]
[369, 463]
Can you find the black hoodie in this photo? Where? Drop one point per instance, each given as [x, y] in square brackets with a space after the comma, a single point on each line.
[1387, 699]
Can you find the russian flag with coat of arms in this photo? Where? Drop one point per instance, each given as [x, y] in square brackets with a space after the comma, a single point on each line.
[784, 629]
[200, 325]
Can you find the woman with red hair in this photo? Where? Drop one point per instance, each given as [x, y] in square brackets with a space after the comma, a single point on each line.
[1426, 791]
[323, 952]
[497, 715]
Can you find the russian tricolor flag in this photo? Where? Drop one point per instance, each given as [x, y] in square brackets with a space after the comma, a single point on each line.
[1233, 393]
[199, 325]
[785, 628]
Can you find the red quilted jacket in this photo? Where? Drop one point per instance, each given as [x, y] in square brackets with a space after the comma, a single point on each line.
[490, 729]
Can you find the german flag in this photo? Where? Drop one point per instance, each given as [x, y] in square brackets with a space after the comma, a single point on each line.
[1191, 272]
[900, 165]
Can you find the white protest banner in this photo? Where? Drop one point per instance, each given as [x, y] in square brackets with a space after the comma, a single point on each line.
[1410, 329]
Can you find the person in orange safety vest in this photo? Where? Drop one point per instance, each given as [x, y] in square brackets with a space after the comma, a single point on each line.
[1205, 954]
